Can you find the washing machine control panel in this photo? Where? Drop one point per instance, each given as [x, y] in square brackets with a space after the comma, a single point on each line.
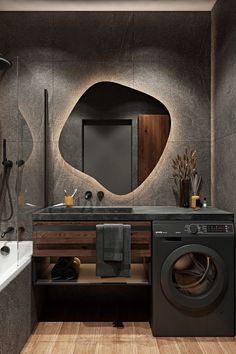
[208, 228]
[176, 228]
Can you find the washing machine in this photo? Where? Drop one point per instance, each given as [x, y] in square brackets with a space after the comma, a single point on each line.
[192, 278]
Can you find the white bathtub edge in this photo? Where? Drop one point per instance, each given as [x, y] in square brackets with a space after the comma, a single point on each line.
[13, 273]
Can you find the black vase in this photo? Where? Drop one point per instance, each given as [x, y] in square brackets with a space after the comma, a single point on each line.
[184, 193]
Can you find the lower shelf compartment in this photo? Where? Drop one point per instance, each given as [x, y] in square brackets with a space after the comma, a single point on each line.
[92, 302]
[87, 276]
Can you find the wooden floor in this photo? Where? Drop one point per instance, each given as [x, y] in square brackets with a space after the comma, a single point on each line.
[102, 338]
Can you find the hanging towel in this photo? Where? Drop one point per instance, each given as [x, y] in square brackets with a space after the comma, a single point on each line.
[113, 250]
[113, 242]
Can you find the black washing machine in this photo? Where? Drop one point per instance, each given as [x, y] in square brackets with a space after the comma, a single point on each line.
[192, 278]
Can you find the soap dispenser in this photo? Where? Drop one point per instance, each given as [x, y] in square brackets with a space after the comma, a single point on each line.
[204, 204]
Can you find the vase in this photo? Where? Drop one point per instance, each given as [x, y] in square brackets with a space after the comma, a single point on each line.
[184, 193]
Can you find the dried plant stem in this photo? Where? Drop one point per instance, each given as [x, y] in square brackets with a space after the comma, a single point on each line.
[185, 166]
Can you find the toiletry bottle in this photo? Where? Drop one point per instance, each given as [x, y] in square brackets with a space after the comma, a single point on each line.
[195, 201]
[204, 203]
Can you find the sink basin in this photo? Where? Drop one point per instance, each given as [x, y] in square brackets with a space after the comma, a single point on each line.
[88, 210]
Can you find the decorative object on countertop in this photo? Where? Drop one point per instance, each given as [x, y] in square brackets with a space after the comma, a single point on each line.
[184, 168]
[195, 202]
[204, 203]
[195, 182]
[68, 200]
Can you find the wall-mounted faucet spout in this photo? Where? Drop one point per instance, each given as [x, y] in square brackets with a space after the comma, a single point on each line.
[88, 195]
[9, 229]
[100, 195]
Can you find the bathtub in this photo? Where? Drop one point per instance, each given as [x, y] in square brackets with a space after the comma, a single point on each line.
[13, 263]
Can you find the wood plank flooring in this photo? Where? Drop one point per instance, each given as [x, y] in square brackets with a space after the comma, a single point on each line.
[102, 338]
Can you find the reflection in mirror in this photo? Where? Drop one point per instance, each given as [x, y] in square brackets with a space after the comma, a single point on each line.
[116, 135]
[111, 161]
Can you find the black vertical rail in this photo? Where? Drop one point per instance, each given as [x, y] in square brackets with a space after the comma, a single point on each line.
[45, 148]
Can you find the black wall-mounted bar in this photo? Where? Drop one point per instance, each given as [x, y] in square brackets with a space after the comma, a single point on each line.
[45, 148]
[5, 182]
[4, 151]
[6, 163]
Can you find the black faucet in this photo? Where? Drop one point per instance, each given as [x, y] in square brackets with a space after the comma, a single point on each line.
[9, 229]
[88, 195]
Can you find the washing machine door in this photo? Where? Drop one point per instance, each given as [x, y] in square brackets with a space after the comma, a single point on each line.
[193, 277]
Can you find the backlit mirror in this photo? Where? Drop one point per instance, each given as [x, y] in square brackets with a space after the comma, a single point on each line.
[116, 135]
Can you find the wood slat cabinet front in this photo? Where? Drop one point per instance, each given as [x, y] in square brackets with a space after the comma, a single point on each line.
[78, 238]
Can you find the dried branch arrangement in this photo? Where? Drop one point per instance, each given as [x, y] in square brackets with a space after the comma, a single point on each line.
[185, 166]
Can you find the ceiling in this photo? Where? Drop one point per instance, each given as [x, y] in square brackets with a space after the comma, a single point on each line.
[106, 5]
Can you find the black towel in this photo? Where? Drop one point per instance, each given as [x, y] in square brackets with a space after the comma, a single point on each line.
[58, 269]
[66, 268]
[72, 271]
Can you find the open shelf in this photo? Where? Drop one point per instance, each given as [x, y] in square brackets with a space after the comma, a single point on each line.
[87, 276]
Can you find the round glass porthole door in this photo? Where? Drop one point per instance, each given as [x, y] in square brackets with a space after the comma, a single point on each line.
[193, 277]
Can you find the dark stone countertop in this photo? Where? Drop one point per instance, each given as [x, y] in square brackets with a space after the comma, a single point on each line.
[148, 213]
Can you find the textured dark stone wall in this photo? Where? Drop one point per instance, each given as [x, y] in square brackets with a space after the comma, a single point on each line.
[15, 313]
[163, 54]
[224, 104]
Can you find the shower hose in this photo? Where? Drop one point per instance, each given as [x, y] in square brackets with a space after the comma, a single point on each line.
[5, 190]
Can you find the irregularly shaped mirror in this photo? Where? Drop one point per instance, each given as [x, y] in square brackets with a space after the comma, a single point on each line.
[115, 134]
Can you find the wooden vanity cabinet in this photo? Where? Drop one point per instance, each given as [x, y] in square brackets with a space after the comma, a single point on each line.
[78, 238]
[52, 239]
